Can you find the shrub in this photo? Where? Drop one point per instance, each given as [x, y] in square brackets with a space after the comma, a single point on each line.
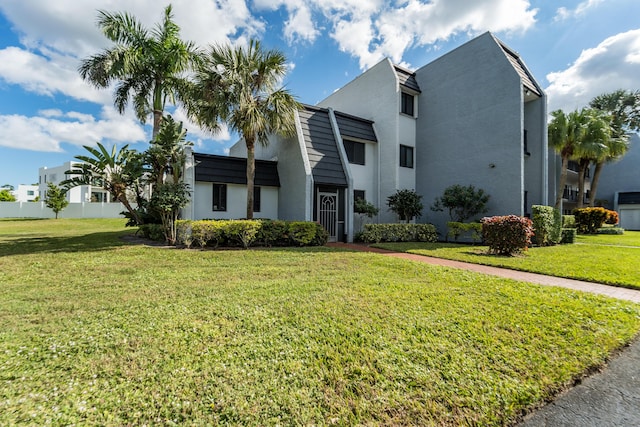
[183, 232]
[457, 229]
[588, 220]
[406, 204]
[243, 232]
[361, 206]
[610, 230]
[153, 232]
[321, 237]
[507, 235]
[568, 221]
[463, 203]
[207, 232]
[546, 224]
[376, 233]
[568, 236]
[612, 217]
[302, 233]
[273, 233]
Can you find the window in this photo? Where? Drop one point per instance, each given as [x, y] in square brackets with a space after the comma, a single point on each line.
[30, 193]
[406, 156]
[355, 151]
[406, 106]
[256, 199]
[219, 197]
[358, 195]
[526, 146]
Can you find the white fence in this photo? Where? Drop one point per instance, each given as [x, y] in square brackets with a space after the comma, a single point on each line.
[74, 210]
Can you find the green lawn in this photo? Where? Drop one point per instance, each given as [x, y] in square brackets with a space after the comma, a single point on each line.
[599, 258]
[97, 331]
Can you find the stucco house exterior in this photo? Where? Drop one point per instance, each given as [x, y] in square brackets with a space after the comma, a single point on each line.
[474, 116]
[79, 194]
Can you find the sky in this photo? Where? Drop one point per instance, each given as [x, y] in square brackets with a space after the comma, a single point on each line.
[576, 49]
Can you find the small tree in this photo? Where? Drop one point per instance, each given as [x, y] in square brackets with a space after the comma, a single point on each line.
[463, 203]
[56, 198]
[167, 200]
[406, 204]
[6, 196]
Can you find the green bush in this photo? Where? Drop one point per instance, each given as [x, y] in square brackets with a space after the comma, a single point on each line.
[273, 233]
[457, 229]
[546, 225]
[610, 230]
[376, 233]
[242, 231]
[184, 232]
[507, 235]
[208, 233]
[588, 220]
[321, 237]
[568, 221]
[302, 233]
[153, 232]
[568, 236]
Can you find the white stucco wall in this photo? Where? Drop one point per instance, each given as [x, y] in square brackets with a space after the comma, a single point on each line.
[236, 202]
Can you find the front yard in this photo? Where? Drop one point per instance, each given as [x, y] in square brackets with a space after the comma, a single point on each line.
[97, 331]
[611, 259]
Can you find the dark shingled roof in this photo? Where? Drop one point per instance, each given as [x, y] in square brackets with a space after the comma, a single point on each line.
[407, 78]
[518, 65]
[629, 198]
[355, 127]
[233, 170]
[322, 148]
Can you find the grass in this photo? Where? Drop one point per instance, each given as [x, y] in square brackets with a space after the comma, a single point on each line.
[600, 258]
[96, 331]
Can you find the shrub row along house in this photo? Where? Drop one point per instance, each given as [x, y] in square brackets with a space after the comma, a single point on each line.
[474, 116]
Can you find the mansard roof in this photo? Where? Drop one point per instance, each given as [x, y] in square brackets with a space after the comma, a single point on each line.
[407, 78]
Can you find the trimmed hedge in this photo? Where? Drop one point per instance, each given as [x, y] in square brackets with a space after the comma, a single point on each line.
[376, 233]
[457, 229]
[610, 230]
[247, 233]
[507, 235]
[589, 220]
[547, 225]
[568, 221]
[568, 236]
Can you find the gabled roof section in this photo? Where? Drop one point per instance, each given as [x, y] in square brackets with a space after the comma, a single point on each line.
[356, 128]
[322, 147]
[527, 79]
[407, 78]
[233, 170]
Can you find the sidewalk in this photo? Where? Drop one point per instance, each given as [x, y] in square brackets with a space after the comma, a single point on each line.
[610, 398]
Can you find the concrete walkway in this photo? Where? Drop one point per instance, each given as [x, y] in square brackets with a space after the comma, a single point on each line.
[610, 398]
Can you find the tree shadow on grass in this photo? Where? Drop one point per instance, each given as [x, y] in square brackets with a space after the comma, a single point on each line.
[85, 243]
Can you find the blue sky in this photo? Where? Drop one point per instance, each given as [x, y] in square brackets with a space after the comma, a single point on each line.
[576, 50]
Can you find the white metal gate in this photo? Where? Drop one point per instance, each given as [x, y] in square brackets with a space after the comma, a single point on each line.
[328, 213]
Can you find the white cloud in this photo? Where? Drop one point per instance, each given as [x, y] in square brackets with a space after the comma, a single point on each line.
[613, 64]
[50, 128]
[563, 13]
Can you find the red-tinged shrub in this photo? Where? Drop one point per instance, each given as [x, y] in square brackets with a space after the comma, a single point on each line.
[589, 220]
[507, 235]
[612, 217]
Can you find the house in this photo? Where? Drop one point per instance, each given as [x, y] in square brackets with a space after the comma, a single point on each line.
[26, 193]
[474, 116]
[619, 186]
[79, 194]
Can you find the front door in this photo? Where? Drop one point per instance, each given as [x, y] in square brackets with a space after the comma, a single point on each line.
[328, 213]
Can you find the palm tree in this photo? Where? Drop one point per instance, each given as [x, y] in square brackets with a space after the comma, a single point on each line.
[148, 65]
[166, 153]
[114, 171]
[616, 148]
[565, 132]
[241, 86]
[592, 146]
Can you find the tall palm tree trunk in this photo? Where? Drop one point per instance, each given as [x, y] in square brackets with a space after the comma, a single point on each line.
[582, 172]
[563, 181]
[594, 182]
[251, 172]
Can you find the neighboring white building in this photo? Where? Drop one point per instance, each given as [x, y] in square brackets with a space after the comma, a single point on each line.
[82, 193]
[26, 193]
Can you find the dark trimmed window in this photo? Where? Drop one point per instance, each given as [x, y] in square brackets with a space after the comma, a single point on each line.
[219, 197]
[358, 194]
[256, 199]
[355, 151]
[406, 102]
[406, 156]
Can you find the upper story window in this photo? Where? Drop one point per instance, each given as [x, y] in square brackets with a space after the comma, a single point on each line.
[406, 104]
[406, 156]
[355, 151]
